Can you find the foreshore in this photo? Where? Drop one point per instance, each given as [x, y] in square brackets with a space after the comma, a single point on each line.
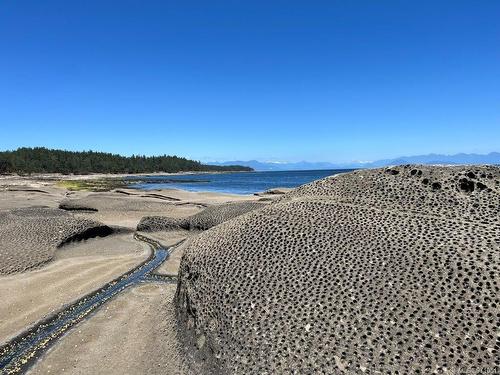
[47, 177]
[88, 182]
[403, 254]
[40, 278]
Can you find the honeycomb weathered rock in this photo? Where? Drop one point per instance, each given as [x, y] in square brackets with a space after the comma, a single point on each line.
[217, 214]
[209, 217]
[162, 223]
[392, 270]
[30, 236]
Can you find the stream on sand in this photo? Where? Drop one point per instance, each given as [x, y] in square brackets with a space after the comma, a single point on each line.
[22, 351]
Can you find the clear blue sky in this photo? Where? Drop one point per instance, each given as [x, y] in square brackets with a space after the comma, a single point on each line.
[270, 80]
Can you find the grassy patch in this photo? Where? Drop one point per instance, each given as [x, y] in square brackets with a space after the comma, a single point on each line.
[102, 184]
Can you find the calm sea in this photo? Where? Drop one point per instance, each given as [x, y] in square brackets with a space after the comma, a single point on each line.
[234, 183]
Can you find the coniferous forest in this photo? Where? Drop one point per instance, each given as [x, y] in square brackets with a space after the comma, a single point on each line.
[43, 160]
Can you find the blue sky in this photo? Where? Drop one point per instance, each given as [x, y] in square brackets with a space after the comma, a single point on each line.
[268, 80]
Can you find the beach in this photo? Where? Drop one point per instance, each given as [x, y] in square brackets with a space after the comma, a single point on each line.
[389, 269]
[53, 275]
[249, 188]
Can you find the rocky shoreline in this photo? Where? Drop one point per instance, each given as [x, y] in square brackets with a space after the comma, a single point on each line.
[392, 269]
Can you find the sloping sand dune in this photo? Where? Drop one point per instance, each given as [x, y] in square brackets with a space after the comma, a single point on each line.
[390, 270]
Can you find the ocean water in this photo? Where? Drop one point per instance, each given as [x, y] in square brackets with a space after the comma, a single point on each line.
[233, 183]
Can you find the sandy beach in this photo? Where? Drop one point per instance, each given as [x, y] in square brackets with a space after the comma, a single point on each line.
[57, 273]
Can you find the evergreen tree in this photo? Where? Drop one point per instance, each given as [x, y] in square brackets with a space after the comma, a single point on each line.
[43, 160]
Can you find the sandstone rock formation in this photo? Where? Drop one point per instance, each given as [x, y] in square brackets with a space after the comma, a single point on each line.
[30, 236]
[115, 201]
[209, 217]
[394, 270]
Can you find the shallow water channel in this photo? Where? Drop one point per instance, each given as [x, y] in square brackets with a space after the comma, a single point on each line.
[20, 353]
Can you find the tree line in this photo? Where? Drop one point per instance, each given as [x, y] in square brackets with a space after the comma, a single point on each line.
[28, 160]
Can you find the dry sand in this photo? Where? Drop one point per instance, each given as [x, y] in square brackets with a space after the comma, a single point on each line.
[172, 266]
[28, 197]
[133, 334]
[77, 270]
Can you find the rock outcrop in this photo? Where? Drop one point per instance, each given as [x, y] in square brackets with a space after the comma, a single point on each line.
[208, 218]
[393, 270]
[29, 237]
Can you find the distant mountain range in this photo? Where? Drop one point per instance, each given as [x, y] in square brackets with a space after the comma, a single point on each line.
[491, 158]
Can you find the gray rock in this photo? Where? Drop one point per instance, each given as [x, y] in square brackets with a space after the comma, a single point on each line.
[369, 271]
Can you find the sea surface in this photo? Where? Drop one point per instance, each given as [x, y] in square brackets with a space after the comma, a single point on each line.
[233, 183]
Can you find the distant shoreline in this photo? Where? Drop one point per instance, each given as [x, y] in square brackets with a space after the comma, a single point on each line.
[217, 183]
[90, 176]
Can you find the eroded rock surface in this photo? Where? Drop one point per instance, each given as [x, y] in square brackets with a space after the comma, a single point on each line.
[208, 218]
[29, 236]
[115, 201]
[394, 270]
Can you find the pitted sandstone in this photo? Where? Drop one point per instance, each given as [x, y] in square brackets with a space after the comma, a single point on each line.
[208, 218]
[394, 270]
[29, 236]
